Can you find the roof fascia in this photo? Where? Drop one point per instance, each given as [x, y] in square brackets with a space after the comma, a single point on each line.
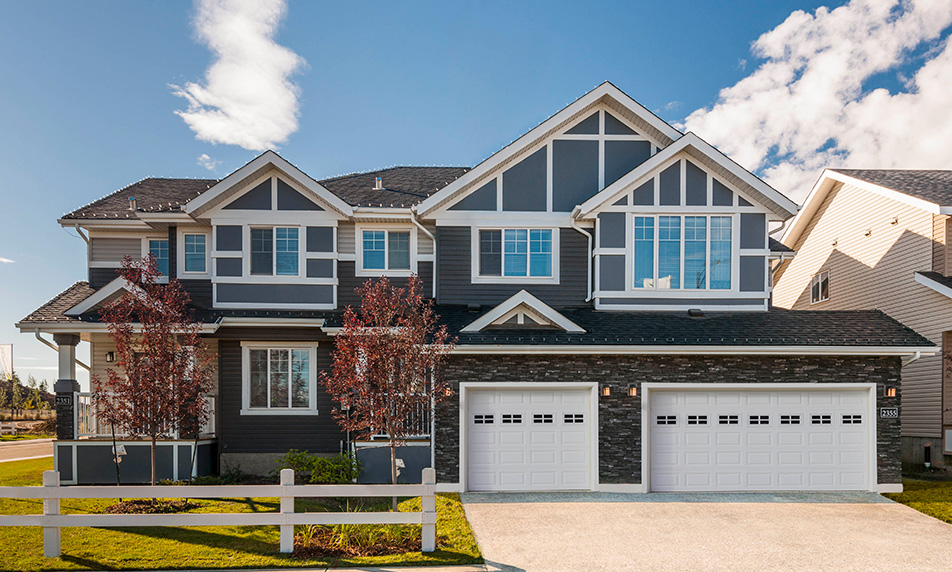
[88, 327]
[97, 297]
[933, 285]
[200, 205]
[606, 89]
[104, 223]
[518, 299]
[696, 350]
[232, 322]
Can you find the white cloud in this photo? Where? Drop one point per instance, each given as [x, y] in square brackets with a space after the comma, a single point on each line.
[6, 260]
[805, 106]
[247, 97]
[205, 161]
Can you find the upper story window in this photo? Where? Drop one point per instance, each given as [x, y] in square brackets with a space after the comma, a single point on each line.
[682, 252]
[275, 251]
[194, 253]
[820, 287]
[159, 249]
[516, 253]
[386, 250]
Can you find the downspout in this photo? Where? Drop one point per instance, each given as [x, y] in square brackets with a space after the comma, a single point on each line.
[591, 257]
[47, 343]
[79, 231]
[912, 359]
[413, 217]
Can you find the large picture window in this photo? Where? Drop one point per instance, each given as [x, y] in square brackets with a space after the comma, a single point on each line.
[275, 251]
[686, 252]
[516, 252]
[279, 379]
[385, 250]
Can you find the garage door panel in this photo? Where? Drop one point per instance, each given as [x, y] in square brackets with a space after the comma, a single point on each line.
[779, 439]
[512, 438]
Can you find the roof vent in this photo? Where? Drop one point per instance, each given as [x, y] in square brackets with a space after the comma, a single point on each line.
[473, 307]
[696, 313]
[132, 203]
[378, 184]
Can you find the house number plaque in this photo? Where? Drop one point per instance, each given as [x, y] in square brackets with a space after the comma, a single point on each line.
[889, 412]
[64, 400]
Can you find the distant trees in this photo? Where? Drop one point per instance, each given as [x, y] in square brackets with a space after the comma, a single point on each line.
[19, 397]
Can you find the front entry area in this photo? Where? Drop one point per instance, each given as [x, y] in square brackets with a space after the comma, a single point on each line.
[528, 439]
[764, 439]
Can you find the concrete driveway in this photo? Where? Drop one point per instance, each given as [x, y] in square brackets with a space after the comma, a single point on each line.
[757, 532]
[29, 449]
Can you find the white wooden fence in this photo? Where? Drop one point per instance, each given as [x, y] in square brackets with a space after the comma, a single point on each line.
[52, 521]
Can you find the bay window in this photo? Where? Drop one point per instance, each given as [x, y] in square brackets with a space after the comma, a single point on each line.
[278, 379]
[685, 253]
[515, 252]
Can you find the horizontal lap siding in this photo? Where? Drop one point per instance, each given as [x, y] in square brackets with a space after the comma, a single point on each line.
[454, 272]
[877, 272]
[348, 282]
[272, 433]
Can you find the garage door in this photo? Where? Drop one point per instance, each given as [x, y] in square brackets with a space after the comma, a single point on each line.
[759, 440]
[519, 440]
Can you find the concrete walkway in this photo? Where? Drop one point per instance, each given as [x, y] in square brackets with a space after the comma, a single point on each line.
[29, 449]
[843, 532]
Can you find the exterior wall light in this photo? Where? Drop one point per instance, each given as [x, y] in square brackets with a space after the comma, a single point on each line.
[110, 357]
[890, 392]
[606, 391]
[632, 391]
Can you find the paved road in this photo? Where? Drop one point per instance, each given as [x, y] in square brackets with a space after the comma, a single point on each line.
[10, 450]
[523, 533]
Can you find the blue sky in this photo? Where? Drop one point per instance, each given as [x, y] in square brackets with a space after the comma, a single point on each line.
[87, 104]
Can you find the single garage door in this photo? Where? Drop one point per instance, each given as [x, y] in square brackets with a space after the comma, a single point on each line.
[522, 440]
[703, 440]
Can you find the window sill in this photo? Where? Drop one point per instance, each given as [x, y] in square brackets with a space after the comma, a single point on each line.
[279, 412]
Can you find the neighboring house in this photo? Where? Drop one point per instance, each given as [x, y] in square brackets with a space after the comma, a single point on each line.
[880, 239]
[607, 277]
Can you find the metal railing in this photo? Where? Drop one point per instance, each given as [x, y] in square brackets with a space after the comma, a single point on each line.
[52, 521]
[88, 424]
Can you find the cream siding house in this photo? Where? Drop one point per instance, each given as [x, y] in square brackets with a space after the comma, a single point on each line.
[883, 239]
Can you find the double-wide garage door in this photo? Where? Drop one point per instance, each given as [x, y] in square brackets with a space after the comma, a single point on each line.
[703, 440]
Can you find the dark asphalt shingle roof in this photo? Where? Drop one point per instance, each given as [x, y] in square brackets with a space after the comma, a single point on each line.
[152, 195]
[934, 186]
[777, 246]
[53, 311]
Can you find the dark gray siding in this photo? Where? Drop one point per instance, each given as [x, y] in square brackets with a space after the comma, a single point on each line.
[587, 126]
[574, 173]
[611, 273]
[753, 230]
[454, 284]
[258, 198]
[348, 282]
[670, 185]
[695, 185]
[228, 266]
[320, 239]
[614, 126]
[271, 433]
[482, 199]
[623, 156]
[644, 195]
[523, 185]
[228, 237]
[200, 291]
[99, 277]
[276, 293]
[291, 200]
[611, 230]
[752, 269]
[723, 197]
[320, 268]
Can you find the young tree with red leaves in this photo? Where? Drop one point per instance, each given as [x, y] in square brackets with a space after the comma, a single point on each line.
[388, 362]
[166, 366]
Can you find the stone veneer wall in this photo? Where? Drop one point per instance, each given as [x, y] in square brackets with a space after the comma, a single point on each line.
[619, 422]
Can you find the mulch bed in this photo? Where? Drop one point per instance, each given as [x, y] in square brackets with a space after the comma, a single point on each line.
[147, 506]
[323, 543]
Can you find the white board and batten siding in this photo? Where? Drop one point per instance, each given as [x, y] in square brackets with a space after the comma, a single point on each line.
[873, 245]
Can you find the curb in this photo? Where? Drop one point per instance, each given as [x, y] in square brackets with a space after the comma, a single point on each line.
[25, 442]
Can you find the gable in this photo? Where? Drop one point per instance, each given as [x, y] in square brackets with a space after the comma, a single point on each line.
[523, 311]
[272, 193]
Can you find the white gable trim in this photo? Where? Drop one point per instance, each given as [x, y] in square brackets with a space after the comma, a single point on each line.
[206, 201]
[754, 187]
[933, 285]
[98, 297]
[605, 90]
[533, 304]
[828, 179]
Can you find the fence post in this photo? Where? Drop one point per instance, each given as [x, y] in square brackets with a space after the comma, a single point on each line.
[287, 507]
[428, 543]
[51, 507]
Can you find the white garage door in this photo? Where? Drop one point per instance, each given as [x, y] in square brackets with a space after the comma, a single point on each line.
[759, 440]
[520, 440]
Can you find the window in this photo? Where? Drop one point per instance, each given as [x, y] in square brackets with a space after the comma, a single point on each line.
[275, 251]
[852, 419]
[697, 419]
[571, 418]
[279, 379]
[789, 419]
[516, 252]
[386, 250]
[159, 249]
[727, 420]
[667, 420]
[542, 418]
[482, 419]
[820, 420]
[759, 419]
[689, 252]
[820, 287]
[195, 253]
[512, 418]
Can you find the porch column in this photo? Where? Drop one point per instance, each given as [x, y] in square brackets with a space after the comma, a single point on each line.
[66, 386]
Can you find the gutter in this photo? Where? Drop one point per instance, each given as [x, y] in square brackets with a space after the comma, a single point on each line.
[661, 349]
[591, 255]
[48, 344]
[909, 360]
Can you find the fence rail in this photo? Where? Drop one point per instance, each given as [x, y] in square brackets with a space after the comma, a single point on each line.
[52, 521]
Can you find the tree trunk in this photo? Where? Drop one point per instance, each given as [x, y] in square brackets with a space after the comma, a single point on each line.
[393, 468]
[153, 460]
[115, 454]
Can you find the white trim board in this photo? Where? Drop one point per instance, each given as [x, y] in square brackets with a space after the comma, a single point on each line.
[933, 285]
[523, 298]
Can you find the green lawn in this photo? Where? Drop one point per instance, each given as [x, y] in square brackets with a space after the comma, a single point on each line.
[195, 547]
[23, 437]
[930, 497]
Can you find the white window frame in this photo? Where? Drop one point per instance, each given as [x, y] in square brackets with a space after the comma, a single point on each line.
[477, 278]
[246, 348]
[147, 249]
[818, 277]
[387, 229]
[302, 231]
[180, 253]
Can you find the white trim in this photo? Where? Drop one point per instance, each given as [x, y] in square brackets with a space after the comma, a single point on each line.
[98, 297]
[648, 387]
[197, 206]
[523, 298]
[465, 387]
[246, 408]
[180, 271]
[505, 349]
[233, 322]
[933, 285]
[409, 228]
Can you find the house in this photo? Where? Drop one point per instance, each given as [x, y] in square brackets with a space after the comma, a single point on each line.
[608, 280]
[880, 239]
